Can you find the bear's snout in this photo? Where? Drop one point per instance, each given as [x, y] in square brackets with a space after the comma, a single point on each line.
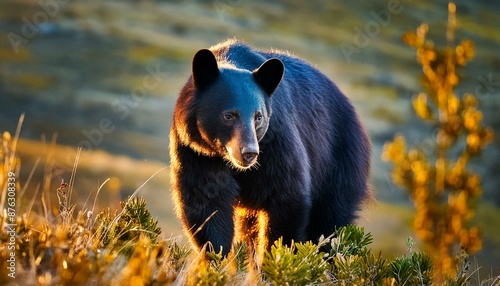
[243, 148]
[243, 157]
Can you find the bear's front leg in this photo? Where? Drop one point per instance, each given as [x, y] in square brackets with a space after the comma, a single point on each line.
[288, 218]
[204, 194]
[285, 197]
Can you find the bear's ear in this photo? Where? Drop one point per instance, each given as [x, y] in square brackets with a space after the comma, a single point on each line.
[269, 75]
[205, 68]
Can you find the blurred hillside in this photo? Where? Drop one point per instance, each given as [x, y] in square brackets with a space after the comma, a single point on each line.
[105, 75]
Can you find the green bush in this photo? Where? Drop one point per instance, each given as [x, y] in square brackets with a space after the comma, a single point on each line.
[298, 264]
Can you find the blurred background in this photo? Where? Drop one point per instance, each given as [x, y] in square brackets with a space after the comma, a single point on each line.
[105, 75]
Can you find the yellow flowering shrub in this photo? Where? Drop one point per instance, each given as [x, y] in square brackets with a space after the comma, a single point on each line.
[444, 191]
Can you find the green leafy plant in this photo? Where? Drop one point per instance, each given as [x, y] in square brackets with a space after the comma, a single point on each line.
[126, 226]
[298, 264]
[211, 271]
[350, 240]
[352, 260]
[412, 269]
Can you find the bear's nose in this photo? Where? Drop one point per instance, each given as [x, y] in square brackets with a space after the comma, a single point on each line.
[249, 154]
[248, 157]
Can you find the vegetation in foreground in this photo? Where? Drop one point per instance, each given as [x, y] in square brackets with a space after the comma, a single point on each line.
[123, 249]
[83, 247]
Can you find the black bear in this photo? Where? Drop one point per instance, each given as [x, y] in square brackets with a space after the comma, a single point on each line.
[263, 146]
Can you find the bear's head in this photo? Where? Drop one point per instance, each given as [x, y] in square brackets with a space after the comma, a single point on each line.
[233, 106]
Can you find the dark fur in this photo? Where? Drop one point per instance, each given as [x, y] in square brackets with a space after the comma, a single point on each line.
[313, 167]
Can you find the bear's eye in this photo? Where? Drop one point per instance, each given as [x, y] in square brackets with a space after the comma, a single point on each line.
[258, 117]
[228, 116]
